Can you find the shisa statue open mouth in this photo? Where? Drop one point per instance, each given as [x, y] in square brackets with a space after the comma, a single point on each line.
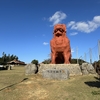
[58, 34]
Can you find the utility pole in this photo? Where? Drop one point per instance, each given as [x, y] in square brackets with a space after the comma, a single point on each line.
[99, 48]
[84, 56]
[90, 51]
[77, 54]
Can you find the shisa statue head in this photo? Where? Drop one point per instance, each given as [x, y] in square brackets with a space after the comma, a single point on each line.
[59, 30]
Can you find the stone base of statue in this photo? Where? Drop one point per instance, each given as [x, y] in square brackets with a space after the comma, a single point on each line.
[31, 69]
[59, 71]
[59, 74]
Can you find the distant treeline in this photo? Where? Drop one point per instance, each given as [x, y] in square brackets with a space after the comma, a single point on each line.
[96, 63]
[6, 58]
[79, 61]
[73, 61]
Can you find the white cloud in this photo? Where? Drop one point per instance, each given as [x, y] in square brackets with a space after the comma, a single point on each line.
[85, 27]
[45, 43]
[57, 17]
[96, 19]
[72, 50]
[71, 23]
[74, 33]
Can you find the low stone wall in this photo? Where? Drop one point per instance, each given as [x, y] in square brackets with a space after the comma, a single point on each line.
[73, 69]
[59, 71]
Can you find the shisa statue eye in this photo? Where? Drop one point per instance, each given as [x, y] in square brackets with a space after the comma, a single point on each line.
[61, 30]
[55, 30]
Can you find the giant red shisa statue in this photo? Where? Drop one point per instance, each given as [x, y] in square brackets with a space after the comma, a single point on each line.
[60, 46]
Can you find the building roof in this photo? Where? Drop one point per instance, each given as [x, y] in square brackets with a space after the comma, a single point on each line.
[15, 61]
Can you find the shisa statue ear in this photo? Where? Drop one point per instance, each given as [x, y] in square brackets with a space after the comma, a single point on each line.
[54, 30]
[53, 33]
[64, 27]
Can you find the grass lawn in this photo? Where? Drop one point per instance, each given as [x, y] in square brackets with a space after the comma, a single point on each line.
[15, 85]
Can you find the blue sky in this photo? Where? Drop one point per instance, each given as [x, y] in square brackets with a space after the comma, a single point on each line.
[26, 26]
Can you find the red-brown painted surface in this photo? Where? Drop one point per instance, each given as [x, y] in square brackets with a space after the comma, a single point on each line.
[60, 45]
